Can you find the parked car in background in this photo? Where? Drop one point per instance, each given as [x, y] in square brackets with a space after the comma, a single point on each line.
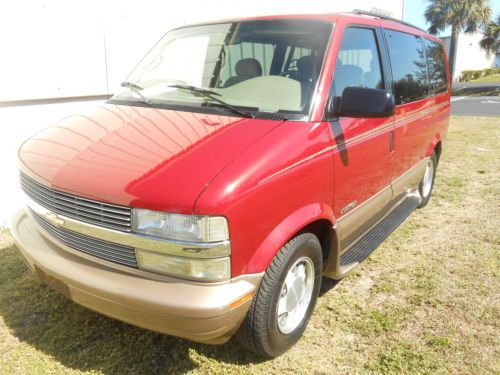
[241, 163]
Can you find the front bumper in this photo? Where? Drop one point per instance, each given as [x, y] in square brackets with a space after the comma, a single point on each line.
[208, 313]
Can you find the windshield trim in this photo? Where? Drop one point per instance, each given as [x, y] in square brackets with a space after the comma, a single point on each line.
[235, 20]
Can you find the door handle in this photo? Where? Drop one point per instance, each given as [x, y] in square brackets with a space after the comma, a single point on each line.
[391, 141]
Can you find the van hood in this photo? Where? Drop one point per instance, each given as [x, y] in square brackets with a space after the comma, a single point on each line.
[138, 156]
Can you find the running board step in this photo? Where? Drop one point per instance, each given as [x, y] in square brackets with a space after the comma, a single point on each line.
[371, 240]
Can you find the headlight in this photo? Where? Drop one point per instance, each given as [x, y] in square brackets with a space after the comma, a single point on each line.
[180, 227]
[217, 269]
[201, 242]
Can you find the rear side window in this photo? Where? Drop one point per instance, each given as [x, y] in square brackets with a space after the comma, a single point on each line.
[358, 61]
[409, 68]
[437, 69]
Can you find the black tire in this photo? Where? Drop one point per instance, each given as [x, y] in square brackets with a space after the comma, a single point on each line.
[427, 197]
[259, 331]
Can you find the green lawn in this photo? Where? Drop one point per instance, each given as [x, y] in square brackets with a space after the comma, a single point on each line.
[490, 78]
[427, 301]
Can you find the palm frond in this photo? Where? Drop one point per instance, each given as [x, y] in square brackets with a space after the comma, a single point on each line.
[491, 37]
[467, 15]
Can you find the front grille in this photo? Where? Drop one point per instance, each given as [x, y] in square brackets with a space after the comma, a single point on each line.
[89, 245]
[82, 209]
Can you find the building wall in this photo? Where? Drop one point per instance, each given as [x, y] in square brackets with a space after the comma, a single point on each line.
[469, 55]
[57, 48]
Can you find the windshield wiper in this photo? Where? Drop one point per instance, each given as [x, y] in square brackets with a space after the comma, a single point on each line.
[137, 89]
[198, 91]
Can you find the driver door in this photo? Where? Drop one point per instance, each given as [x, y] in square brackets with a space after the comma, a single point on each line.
[363, 147]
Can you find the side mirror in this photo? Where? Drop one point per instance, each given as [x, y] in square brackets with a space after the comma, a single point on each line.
[362, 102]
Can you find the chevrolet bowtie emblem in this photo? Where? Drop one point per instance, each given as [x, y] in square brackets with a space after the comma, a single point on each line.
[54, 219]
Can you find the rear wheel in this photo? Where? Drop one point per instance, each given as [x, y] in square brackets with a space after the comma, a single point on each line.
[427, 183]
[285, 299]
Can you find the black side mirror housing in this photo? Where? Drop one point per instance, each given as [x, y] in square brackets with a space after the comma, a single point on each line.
[362, 102]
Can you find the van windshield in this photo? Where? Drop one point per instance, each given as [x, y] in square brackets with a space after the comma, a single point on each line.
[256, 66]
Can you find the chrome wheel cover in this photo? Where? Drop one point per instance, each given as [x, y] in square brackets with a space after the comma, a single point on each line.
[295, 295]
[427, 180]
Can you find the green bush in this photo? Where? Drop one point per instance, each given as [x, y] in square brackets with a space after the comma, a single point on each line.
[490, 71]
[469, 75]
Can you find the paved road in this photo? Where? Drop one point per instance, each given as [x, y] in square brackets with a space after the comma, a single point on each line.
[475, 106]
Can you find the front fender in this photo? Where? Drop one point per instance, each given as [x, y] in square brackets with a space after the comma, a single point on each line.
[278, 185]
[280, 235]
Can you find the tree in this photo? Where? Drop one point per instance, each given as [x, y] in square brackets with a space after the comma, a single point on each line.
[491, 37]
[461, 15]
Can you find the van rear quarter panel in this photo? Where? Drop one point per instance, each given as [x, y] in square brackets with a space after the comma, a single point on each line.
[421, 124]
[276, 187]
[435, 128]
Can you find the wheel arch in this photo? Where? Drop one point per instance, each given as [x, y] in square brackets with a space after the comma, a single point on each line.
[315, 218]
[435, 145]
[438, 149]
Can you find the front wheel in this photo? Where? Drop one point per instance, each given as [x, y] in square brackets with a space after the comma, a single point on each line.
[285, 299]
[427, 183]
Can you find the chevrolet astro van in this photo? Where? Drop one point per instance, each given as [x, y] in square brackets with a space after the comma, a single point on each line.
[239, 163]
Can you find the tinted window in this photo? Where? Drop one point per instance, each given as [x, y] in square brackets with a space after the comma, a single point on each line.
[358, 61]
[409, 69]
[437, 69]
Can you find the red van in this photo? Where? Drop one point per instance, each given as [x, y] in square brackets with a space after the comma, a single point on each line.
[240, 163]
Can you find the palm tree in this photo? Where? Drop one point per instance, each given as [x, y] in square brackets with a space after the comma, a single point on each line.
[466, 15]
[491, 37]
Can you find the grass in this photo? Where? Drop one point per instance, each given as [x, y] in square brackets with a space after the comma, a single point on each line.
[491, 78]
[427, 301]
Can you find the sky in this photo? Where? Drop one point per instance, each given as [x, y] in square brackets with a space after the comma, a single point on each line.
[414, 13]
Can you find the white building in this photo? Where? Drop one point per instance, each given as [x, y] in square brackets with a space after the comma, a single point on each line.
[57, 48]
[469, 55]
